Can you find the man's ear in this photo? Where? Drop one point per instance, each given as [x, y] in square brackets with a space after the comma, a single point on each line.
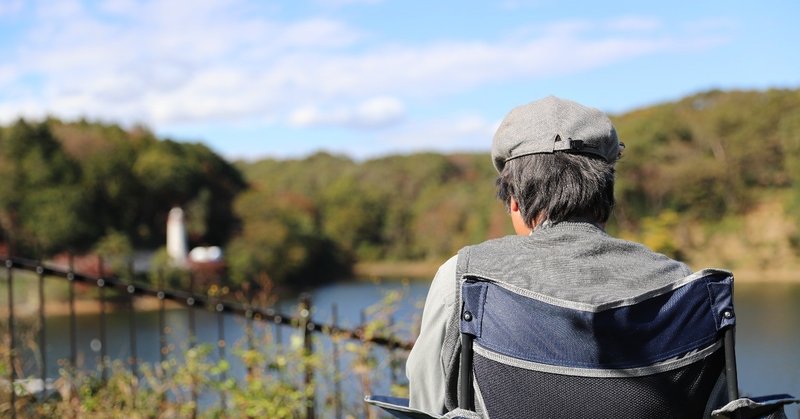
[516, 218]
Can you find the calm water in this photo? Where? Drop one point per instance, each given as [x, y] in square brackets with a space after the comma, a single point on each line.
[768, 341]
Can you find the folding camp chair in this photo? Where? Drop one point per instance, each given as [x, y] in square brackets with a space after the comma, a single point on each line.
[668, 353]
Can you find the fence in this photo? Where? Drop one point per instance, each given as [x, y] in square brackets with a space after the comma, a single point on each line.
[302, 322]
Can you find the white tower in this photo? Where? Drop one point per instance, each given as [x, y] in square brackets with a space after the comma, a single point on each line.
[177, 247]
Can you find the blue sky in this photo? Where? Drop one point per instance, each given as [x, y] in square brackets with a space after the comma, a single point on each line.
[367, 78]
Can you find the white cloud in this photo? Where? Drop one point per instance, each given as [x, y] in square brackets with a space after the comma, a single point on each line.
[373, 113]
[316, 34]
[634, 23]
[27, 108]
[714, 25]
[11, 7]
[380, 111]
[221, 61]
[119, 7]
[446, 134]
[7, 74]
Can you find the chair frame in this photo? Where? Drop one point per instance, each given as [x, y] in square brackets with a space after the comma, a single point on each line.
[466, 396]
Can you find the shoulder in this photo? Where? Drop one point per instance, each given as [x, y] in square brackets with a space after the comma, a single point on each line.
[448, 265]
[637, 253]
[443, 286]
[501, 244]
[573, 261]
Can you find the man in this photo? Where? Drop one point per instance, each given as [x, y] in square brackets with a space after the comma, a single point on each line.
[556, 162]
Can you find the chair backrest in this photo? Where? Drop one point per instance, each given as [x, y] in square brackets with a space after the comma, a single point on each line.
[659, 354]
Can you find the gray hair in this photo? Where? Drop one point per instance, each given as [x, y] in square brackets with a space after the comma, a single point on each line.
[560, 186]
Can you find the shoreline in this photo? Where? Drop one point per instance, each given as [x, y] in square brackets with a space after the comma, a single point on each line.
[411, 270]
[86, 307]
[417, 271]
[766, 276]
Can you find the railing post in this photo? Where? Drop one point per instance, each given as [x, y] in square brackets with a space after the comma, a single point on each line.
[162, 324]
[366, 386]
[42, 329]
[308, 349]
[337, 379]
[190, 302]
[249, 333]
[101, 284]
[221, 345]
[278, 332]
[73, 322]
[134, 358]
[11, 344]
[362, 315]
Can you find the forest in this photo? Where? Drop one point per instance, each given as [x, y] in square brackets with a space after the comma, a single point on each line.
[713, 179]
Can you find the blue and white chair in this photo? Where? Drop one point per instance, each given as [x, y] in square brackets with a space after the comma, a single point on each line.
[667, 353]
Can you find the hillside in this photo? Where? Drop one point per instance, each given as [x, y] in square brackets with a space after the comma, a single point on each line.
[712, 179]
[715, 179]
[74, 185]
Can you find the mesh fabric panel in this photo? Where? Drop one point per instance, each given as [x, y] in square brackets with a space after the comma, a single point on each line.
[680, 393]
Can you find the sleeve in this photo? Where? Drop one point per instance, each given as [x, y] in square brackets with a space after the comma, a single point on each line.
[424, 368]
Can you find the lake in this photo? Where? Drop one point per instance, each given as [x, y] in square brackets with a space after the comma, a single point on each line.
[768, 342]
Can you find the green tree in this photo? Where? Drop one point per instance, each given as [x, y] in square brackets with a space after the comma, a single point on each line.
[42, 207]
[279, 240]
[353, 217]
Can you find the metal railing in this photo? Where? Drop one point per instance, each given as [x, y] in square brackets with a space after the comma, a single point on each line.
[187, 298]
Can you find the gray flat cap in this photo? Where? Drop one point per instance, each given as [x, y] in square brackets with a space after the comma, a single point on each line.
[553, 124]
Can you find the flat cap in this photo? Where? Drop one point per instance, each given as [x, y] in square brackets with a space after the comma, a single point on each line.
[553, 124]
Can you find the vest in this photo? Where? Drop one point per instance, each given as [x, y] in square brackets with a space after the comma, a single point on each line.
[573, 261]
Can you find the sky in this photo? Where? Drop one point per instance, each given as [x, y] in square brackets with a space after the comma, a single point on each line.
[365, 78]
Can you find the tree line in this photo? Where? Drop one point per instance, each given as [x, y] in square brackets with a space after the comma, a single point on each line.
[700, 161]
[67, 186]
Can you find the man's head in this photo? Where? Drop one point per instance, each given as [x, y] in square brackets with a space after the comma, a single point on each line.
[556, 161]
